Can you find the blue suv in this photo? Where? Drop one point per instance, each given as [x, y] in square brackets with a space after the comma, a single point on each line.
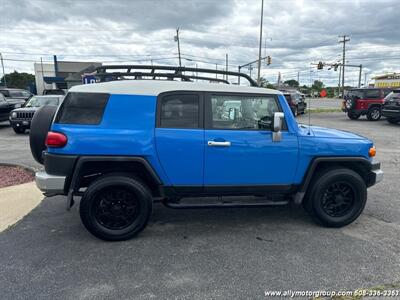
[124, 144]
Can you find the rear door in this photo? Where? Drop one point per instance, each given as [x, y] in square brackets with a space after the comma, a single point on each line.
[180, 137]
[239, 149]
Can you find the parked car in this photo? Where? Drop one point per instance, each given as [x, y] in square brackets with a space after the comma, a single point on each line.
[7, 105]
[123, 145]
[296, 101]
[365, 101]
[20, 118]
[391, 107]
[19, 94]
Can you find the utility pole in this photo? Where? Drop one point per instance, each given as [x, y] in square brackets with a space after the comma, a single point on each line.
[344, 40]
[259, 50]
[226, 60]
[298, 77]
[216, 68]
[365, 79]
[359, 77]
[179, 46]
[340, 74]
[4, 74]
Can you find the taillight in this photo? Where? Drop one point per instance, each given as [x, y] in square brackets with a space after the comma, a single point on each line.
[56, 139]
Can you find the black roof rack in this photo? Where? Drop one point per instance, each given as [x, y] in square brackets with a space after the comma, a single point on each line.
[119, 72]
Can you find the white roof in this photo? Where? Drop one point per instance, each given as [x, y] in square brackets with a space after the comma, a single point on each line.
[155, 87]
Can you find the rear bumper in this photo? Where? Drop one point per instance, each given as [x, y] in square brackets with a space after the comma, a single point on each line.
[50, 184]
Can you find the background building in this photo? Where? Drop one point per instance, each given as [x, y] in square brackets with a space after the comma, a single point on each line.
[391, 80]
[61, 75]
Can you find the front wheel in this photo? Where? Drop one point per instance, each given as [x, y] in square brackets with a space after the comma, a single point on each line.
[393, 120]
[116, 207]
[336, 197]
[353, 116]
[374, 113]
[19, 130]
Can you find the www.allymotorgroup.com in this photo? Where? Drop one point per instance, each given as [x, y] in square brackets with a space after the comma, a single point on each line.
[330, 294]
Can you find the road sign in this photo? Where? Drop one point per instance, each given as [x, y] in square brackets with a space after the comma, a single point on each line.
[323, 93]
[88, 79]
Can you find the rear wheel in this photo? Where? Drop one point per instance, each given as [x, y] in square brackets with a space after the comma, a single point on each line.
[336, 197]
[116, 207]
[374, 113]
[353, 115]
[19, 130]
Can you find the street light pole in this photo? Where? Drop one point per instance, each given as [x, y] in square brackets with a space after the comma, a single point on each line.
[259, 50]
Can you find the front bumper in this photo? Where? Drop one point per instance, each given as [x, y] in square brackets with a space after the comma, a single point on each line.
[376, 173]
[50, 184]
[20, 123]
[391, 112]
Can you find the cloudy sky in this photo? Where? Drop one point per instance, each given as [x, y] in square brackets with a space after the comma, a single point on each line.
[296, 34]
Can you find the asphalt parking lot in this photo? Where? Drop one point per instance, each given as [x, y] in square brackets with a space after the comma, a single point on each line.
[207, 254]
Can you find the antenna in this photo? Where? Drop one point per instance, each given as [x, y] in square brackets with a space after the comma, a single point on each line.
[309, 104]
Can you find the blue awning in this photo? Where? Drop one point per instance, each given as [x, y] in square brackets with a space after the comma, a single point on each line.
[53, 79]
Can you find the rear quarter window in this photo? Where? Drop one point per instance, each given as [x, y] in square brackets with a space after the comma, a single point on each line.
[82, 108]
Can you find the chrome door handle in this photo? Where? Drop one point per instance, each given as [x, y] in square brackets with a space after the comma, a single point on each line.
[218, 144]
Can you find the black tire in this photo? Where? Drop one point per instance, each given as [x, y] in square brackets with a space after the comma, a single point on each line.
[40, 126]
[19, 130]
[112, 200]
[353, 115]
[393, 120]
[374, 113]
[336, 197]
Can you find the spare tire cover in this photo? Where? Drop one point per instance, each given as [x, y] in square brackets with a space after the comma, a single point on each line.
[40, 126]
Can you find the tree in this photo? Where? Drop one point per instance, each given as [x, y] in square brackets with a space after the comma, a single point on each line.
[317, 85]
[266, 84]
[292, 83]
[18, 80]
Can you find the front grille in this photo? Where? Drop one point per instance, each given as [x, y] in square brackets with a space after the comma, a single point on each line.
[25, 115]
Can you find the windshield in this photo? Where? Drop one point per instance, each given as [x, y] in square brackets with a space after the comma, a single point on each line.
[38, 101]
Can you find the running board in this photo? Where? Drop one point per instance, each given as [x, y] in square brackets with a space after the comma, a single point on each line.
[177, 205]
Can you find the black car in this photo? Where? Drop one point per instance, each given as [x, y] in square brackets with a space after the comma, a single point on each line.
[296, 102]
[391, 107]
[20, 119]
[7, 105]
[19, 94]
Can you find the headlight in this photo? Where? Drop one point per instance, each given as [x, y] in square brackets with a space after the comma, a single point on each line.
[14, 115]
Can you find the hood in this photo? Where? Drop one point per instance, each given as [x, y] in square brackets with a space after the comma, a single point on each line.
[323, 132]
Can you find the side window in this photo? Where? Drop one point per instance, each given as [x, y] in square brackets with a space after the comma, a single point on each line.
[179, 111]
[243, 112]
[372, 94]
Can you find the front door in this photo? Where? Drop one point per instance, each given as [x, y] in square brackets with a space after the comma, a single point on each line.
[239, 149]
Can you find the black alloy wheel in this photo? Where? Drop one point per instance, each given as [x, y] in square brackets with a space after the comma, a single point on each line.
[116, 208]
[338, 199]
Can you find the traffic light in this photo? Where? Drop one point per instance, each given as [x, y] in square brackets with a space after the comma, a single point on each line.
[269, 60]
[320, 65]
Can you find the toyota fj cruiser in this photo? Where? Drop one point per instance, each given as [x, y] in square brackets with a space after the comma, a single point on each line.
[125, 144]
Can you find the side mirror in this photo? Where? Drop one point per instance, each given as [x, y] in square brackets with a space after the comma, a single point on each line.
[277, 123]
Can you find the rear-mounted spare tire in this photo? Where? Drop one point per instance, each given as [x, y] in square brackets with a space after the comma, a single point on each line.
[40, 126]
